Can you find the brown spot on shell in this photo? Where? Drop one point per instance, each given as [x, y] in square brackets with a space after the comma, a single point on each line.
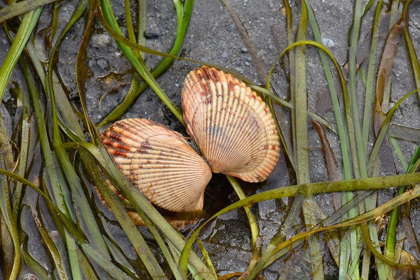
[159, 162]
[232, 126]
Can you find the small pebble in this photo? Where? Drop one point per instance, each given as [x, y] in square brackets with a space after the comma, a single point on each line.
[101, 40]
[244, 50]
[328, 43]
[151, 34]
[103, 63]
[225, 55]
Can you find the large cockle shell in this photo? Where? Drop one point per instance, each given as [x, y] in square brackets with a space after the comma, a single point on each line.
[159, 162]
[231, 125]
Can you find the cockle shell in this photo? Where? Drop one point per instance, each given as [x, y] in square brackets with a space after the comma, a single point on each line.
[159, 162]
[231, 125]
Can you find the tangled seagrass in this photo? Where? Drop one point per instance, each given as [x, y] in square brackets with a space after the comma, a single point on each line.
[230, 123]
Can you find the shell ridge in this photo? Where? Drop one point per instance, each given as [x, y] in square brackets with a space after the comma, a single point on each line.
[233, 121]
[212, 126]
[238, 131]
[158, 152]
[217, 127]
[234, 130]
[223, 125]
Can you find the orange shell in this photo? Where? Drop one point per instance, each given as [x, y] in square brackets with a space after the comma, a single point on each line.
[231, 125]
[159, 162]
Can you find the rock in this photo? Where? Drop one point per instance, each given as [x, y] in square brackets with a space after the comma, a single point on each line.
[328, 43]
[151, 34]
[225, 55]
[100, 40]
[103, 63]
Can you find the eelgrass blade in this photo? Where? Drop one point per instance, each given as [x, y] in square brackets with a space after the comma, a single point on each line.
[367, 114]
[280, 252]
[410, 47]
[260, 68]
[83, 210]
[207, 258]
[144, 72]
[251, 217]
[333, 169]
[334, 174]
[109, 267]
[60, 192]
[73, 231]
[384, 71]
[23, 155]
[118, 256]
[367, 7]
[22, 8]
[142, 205]
[47, 240]
[118, 37]
[33, 264]
[54, 27]
[184, 15]
[138, 64]
[345, 93]
[13, 261]
[300, 122]
[393, 221]
[135, 237]
[356, 144]
[175, 253]
[292, 68]
[369, 231]
[352, 117]
[85, 266]
[71, 128]
[281, 234]
[384, 128]
[363, 219]
[26, 27]
[64, 106]
[371, 184]
[129, 23]
[404, 133]
[341, 124]
[397, 150]
[394, 14]
[81, 69]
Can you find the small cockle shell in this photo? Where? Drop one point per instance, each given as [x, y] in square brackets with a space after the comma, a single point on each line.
[231, 125]
[159, 162]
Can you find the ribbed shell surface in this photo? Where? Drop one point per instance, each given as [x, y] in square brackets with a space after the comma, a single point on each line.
[231, 125]
[159, 162]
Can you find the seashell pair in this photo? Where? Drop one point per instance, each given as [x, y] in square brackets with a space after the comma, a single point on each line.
[231, 125]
